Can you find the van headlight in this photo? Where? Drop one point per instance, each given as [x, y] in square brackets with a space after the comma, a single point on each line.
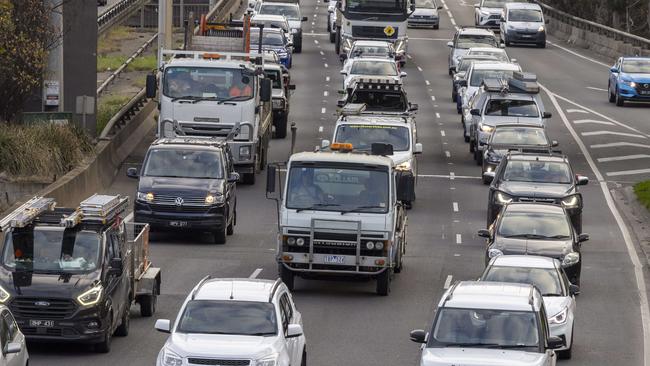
[559, 318]
[502, 198]
[541, 28]
[571, 201]
[571, 259]
[212, 199]
[91, 297]
[486, 128]
[4, 295]
[405, 166]
[147, 197]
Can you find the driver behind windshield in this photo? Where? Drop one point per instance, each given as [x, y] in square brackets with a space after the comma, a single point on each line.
[241, 87]
[303, 190]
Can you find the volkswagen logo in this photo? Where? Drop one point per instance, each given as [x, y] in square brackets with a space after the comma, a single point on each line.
[41, 303]
[646, 86]
[179, 201]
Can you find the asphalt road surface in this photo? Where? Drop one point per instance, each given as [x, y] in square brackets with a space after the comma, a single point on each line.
[346, 323]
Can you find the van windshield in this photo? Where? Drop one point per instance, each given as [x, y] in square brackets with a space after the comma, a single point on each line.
[362, 137]
[525, 15]
[183, 163]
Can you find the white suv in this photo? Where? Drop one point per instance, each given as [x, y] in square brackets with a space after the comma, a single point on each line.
[489, 323]
[235, 322]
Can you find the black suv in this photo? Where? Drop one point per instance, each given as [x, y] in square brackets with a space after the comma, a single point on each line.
[536, 177]
[187, 183]
[536, 229]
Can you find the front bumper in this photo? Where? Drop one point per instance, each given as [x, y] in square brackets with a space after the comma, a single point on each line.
[208, 218]
[634, 93]
[564, 331]
[489, 21]
[72, 329]
[321, 263]
[525, 37]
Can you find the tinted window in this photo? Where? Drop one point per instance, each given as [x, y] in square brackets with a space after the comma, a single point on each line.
[373, 68]
[473, 40]
[525, 15]
[181, 163]
[228, 317]
[511, 108]
[380, 101]
[268, 39]
[519, 136]
[537, 171]
[534, 225]
[636, 66]
[363, 136]
[546, 280]
[375, 6]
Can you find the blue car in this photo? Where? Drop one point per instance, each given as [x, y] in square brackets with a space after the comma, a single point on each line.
[273, 39]
[629, 80]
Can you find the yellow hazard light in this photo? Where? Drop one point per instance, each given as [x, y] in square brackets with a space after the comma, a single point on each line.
[342, 146]
[287, 258]
[208, 56]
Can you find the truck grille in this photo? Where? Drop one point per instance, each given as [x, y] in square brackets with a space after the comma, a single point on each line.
[214, 362]
[537, 199]
[188, 200]
[359, 31]
[27, 308]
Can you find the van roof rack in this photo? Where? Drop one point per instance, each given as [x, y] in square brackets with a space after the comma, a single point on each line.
[97, 209]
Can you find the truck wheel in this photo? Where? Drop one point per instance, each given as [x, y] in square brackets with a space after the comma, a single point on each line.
[383, 283]
[281, 127]
[299, 45]
[287, 276]
[478, 156]
[123, 329]
[147, 305]
[220, 236]
[105, 345]
[248, 178]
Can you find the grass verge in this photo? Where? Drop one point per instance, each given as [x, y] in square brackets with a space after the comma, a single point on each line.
[143, 63]
[109, 62]
[111, 41]
[642, 191]
[109, 106]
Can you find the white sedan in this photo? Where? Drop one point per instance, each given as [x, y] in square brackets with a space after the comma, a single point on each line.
[369, 67]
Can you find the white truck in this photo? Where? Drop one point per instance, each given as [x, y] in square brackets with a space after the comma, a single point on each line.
[341, 214]
[216, 87]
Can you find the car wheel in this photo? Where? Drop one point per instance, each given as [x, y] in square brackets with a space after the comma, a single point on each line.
[332, 37]
[105, 345]
[471, 147]
[478, 156]
[281, 127]
[383, 283]
[123, 329]
[437, 26]
[620, 102]
[612, 97]
[507, 43]
[287, 276]
[485, 180]
[231, 227]
[566, 354]
[220, 236]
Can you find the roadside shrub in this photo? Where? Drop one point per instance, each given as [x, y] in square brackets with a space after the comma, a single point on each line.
[641, 189]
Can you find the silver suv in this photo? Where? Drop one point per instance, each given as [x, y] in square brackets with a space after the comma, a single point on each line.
[495, 323]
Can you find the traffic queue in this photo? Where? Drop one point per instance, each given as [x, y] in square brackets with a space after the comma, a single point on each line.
[342, 209]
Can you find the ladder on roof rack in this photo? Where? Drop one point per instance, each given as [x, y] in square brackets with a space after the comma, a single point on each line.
[27, 212]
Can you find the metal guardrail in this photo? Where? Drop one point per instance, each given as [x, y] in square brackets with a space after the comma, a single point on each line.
[117, 13]
[126, 63]
[594, 27]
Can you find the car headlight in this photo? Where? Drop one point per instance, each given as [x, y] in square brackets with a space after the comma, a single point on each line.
[405, 166]
[379, 245]
[486, 128]
[211, 199]
[91, 297]
[571, 201]
[170, 358]
[502, 198]
[347, 44]
[541, 28]
[4, 295]
[571, 259]
[142, 196]
[629, 83]
[494, 253]
[370, 245]
[245, 152]
[559, 318]
[270, 360]
[278, 103]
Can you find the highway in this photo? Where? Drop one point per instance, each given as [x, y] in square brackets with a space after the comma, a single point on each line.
[346, 323]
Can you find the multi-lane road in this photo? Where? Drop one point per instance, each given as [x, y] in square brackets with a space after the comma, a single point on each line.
[346, 323]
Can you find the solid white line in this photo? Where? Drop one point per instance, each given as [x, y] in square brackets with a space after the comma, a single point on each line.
[322, 53]
[448, 282]
[317, 34]
[598, 133]
[129, 217]
[322, 110]
[437, 115]
[459, 239]
[427, 82]
[624, 157]
[409, 56]
[629, 245]
[628, 172]
[618, 144]
[455, 206]
[255, 273]
[577, 54]
[594, 88]
[582, 121]
[448, 154]
[442, 133]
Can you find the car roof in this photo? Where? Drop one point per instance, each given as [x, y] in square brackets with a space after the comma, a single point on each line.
[522, 6]
[372, 59]
[370, 43]
[510, 95]
[497, 66]
[341, 157]
[529, 261]
[533, 208]
[492, 295]
[374, 120]
[476, 31]
[236, 289]
[484, 49]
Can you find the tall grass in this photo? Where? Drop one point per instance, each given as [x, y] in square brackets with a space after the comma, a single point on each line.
[42, 150]
[107, 107]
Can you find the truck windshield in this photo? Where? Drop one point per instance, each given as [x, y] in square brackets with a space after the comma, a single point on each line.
[245, 318]
[376, 6]
[456, 327]
[338, 189]
[52, 249]
[207, 83]
[378, 101]
[183, 163]
[363, 136]
[511, 108]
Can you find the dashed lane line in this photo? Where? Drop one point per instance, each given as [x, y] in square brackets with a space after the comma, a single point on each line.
[448, 282]
[437, 115]
[623, 157]
[618, 144]
[459, 239]
[255, 273]
[573, 110]
[628, 172]
[454, 205]
[594, 121]
[600, 133]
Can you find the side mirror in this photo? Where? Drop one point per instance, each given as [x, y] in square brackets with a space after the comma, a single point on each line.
[151, 86]
[555, 342]
[406, 187]
[583, 238]
[555, 143]
[163, 325]
[614, 70]
[294, 330]
[484, 233]
[489, 176]
[270, 179]
[343, 72]
[440, 8]
[418, 148]
[581, 180]
[547, 115]
[292, 87]
[116, 267]
[574, 289]
[325, 144]
[418, 336]
[450, 44]
[233, 177]
[413, 107]
[475, 112]
[304, 19]
[265, 90]
[402, 74]
[502, 45]
[13, 347]
[340, 103]
[132, 173]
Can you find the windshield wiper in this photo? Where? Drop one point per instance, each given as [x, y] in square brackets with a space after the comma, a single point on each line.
[317, 205]
[511, 346]
[472, 345]
[552, 295]
[527, 236]
[361, 208]
[238, 97]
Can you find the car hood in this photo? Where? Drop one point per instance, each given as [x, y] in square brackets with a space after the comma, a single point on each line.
[639, 78]
[502, 120]
[546, 248]
[217, 345]
[479, 357]
[44, 285]
[175, 186]
[528, 189]
[492, 10]
[555, 304]
[425, 12]
[531, 26]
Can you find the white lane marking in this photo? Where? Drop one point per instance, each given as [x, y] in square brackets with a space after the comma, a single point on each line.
[628, 172]
[459, 239]
[313, 23]
[448, 282]
[427, 82]
[326, 65]
[322, 53]
[583, 121]
[448, 154]
[326, 93]
[320, 129]
[437, 115]
[455, 206]
[327, 78]
[317, 34]
[452, 176]
[618, 144]
[629, 245]
[624, 157]
[433, 98]
[453, 21]
[597, 89]
[409, 56]
[255, 273]
[419, 69]
[578, 55]
[429, 39]
[442, 133]
[576, 111]
[315, 15]
[322, 110]
[129, 217]
[599, 133]
[316, 41]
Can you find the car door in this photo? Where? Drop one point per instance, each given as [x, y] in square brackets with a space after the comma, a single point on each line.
[231, 188]
[293, 346]
[12, 335]
[115, 283]
[613, 76]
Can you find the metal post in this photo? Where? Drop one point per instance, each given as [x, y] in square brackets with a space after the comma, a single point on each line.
[142, 16]
[165, 12]
[55, 57]
[294, 129]
[182, 13]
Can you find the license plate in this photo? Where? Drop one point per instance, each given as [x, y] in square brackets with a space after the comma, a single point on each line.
[178, 223]
[41, 323]
[337, 259]
[644, 92]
